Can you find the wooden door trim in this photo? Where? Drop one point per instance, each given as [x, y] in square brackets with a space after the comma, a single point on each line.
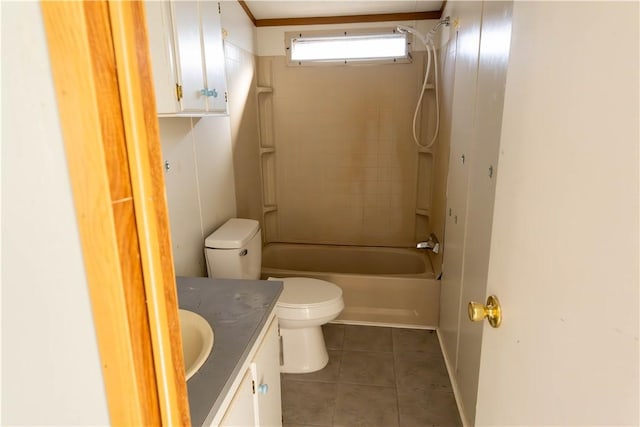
[139, 391]
[126, 20]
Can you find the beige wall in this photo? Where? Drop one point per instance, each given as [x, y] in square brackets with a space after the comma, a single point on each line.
[51, 373]
[345, 167]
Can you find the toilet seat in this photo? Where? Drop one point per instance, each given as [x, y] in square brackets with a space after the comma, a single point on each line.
[303, 292]
[305, 299]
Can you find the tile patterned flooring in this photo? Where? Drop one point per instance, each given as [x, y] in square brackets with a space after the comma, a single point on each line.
[376, 376]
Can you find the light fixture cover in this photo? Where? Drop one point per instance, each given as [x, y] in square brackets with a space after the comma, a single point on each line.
[349, 47]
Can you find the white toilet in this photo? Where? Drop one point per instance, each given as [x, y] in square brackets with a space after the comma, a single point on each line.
[234, 251]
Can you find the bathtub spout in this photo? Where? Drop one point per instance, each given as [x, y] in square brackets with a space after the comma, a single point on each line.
[431, 244]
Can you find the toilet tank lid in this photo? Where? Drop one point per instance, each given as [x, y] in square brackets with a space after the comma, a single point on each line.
[233, 234]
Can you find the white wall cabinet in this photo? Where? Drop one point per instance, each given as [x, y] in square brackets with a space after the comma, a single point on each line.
[257, 399]
[187, 55]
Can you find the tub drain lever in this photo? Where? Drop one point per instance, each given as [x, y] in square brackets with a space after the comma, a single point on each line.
[431, 244]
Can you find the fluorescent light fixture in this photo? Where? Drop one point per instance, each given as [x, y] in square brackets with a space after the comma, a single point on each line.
[349, 47]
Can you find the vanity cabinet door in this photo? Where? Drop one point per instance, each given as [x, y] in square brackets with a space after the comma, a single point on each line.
[257, 401]
[240, 411]
[267, 379]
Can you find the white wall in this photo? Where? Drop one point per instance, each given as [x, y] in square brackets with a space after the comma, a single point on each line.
[200, 184]
[239, 29]
[51, 372]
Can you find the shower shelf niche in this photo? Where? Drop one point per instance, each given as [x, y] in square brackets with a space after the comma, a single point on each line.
[423, 212]
[269, 208]
[424, 191]
[267, 151]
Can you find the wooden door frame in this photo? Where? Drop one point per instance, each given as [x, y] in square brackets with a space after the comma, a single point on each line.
[102, 76]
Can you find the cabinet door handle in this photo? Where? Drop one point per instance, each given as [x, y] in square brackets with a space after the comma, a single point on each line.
[263, 388]
[209, 92]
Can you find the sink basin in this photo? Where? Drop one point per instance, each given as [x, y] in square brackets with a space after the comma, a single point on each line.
[197, 341]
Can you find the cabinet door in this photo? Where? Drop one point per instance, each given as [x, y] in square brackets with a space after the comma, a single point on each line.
[215, 79]
[186, 21]
[241, 409]
[160, 31]
[267, 365]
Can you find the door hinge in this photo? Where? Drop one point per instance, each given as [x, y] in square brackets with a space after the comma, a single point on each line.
[226, 97]
[178, 91]
[253, 387]
[219, 8]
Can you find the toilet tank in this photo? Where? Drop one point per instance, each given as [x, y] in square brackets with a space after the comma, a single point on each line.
[234, 251]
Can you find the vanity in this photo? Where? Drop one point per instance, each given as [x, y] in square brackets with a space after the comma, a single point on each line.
[239, 383]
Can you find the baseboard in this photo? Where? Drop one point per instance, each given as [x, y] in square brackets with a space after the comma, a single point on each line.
[454, 383]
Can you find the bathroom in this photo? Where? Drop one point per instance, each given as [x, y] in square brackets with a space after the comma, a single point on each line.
[214, 172]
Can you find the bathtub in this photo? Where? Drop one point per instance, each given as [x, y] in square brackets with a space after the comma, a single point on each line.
[381, 286]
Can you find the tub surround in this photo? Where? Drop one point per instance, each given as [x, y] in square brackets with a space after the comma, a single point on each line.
[237, 310]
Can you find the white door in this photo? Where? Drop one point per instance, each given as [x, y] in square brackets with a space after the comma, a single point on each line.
[564, 249]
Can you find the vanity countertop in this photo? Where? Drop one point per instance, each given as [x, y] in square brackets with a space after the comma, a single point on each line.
[237, 310]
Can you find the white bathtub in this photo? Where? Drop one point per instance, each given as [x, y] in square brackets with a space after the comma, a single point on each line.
[381, 286]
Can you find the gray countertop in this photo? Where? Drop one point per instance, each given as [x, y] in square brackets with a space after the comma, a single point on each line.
[237, 310]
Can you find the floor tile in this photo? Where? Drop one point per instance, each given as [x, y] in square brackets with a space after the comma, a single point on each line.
[308, 402]
[329, 373]
[428, 408]
[421, 340]
[361, 405]
[376, 376]
[367, 338]
[421, 371]
[333, 336]
[370, 368]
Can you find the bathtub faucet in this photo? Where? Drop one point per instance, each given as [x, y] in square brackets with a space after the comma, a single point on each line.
[431, 244]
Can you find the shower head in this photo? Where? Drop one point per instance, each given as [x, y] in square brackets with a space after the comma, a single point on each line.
[416, 33]
[424, 38]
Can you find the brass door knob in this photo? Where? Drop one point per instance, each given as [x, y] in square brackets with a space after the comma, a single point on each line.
[492, 311]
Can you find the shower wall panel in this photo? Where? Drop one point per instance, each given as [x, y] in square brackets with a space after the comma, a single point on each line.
[346, 164]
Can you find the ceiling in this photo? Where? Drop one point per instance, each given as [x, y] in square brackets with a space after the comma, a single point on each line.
[284, 9]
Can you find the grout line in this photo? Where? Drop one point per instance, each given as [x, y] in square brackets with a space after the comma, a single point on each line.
[335, 401]
[395, 376]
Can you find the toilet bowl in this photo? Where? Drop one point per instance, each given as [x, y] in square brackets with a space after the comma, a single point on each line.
[234, 251]
[304, 306]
